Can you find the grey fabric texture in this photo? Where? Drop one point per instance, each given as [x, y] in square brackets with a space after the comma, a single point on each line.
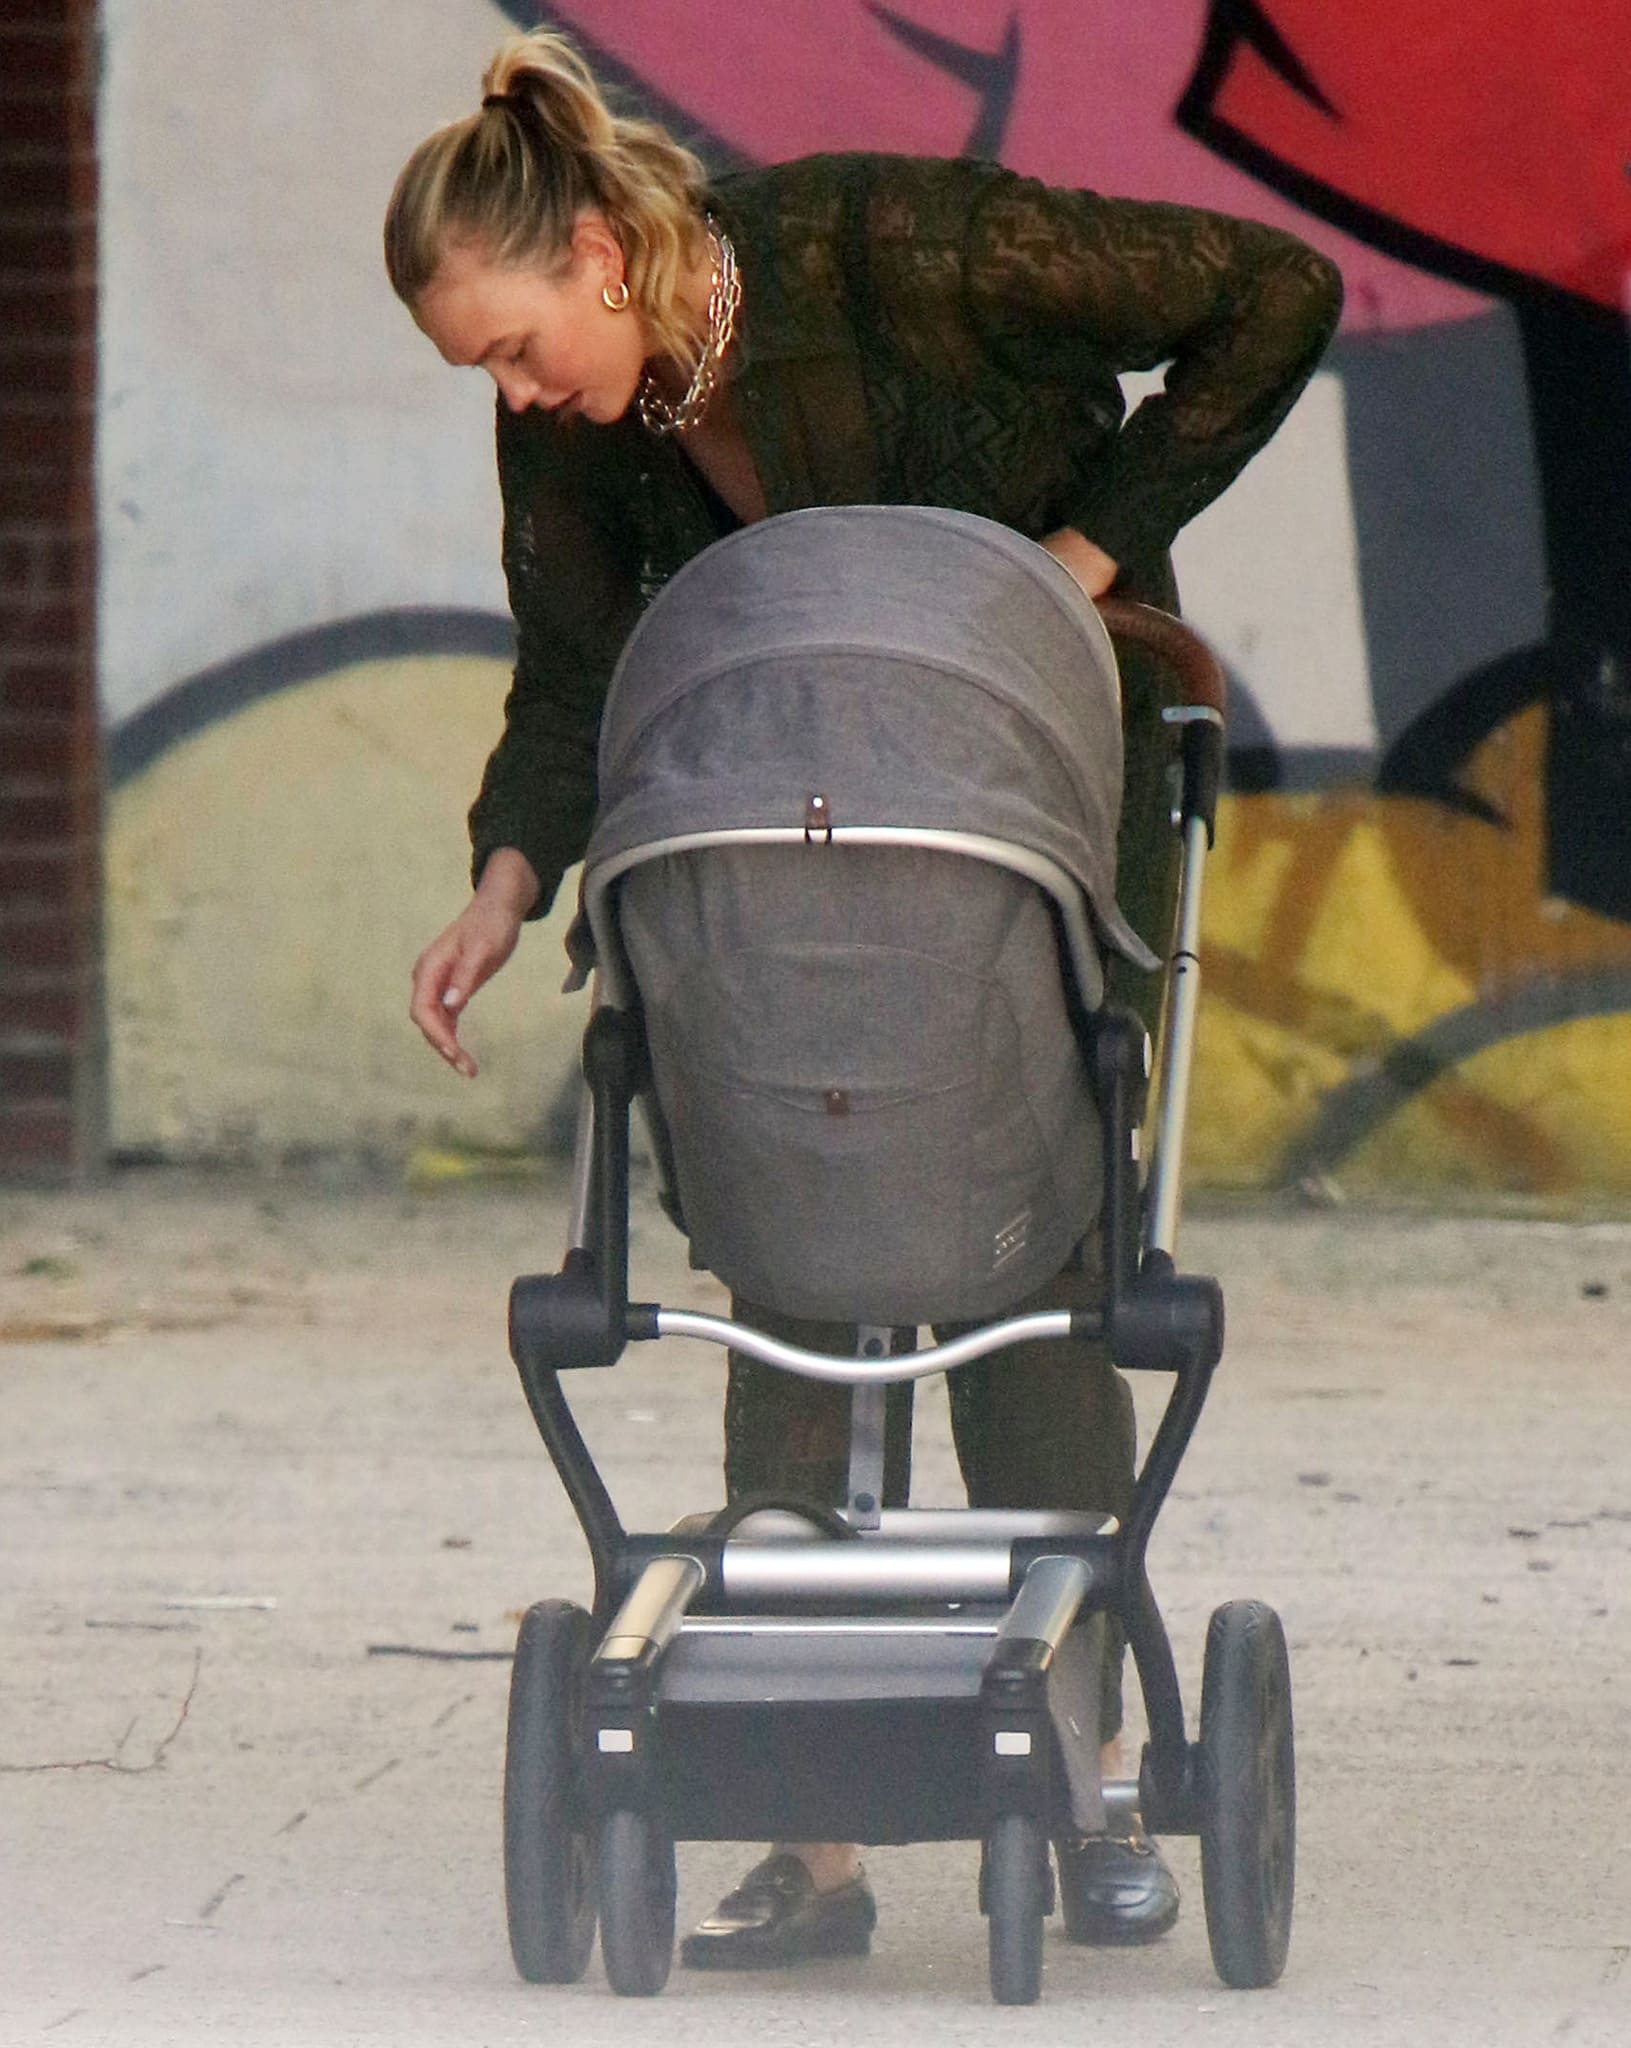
[913, 666]
[877, 1109]
[863, 1056]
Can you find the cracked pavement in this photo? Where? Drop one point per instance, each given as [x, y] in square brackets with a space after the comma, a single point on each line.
[271, 1503]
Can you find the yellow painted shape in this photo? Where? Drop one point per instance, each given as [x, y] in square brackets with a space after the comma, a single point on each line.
[272, 879]
[1251, 868]
[1545, 1114]
[1337, 926]
[1368, 944]
[270, 882]
[1255, 1086]
[430, 1167]
[1312, 955]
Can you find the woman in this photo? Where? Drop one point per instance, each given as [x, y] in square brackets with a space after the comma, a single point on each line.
[676, 358]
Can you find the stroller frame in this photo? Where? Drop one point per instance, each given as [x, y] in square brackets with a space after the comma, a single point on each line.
[781, 1670]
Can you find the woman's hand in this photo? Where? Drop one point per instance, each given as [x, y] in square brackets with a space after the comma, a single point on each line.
[1093, 569]
[470, 952]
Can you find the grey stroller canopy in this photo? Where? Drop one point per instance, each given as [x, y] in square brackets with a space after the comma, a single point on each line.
[857, 766]
[930, 669]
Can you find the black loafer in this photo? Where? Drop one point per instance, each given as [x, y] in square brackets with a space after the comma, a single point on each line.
[1115, 1890]
[776, 1915]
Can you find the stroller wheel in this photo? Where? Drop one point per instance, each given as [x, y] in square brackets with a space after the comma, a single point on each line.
[1014, 1886]
[636, 1904]
[549, 1874]
[1248, 1794]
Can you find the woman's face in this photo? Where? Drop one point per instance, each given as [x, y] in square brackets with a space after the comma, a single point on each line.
[548, 340]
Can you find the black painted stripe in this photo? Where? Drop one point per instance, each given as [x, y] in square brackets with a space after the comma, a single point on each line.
[226, 687]
[1258, 764]
[1357, 1108]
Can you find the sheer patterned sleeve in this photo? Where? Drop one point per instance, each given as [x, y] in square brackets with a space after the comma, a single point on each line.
[572, 596]
[1240, 313]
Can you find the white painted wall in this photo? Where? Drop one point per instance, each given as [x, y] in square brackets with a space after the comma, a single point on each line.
[279, 446]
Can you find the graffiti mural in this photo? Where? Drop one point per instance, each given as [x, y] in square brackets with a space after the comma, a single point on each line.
[1492, 151]
[1419, 960]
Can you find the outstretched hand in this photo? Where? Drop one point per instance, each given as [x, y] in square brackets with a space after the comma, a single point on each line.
[469, 953]
[452, 967]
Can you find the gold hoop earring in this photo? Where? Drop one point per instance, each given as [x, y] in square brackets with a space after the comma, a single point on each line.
[615, 297]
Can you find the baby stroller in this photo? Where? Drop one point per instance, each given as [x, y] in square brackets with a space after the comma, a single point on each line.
[848, 900]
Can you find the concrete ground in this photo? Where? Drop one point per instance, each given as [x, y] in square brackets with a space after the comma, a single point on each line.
[262, 1441]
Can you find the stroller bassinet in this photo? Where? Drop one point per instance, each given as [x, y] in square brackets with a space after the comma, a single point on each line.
[866, 1062]
[849, 895]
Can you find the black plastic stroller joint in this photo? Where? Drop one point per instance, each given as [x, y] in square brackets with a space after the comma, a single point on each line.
[1169, 1321]
[580, 1317]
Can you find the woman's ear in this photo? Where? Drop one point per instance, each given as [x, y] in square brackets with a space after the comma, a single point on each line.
[594, 244]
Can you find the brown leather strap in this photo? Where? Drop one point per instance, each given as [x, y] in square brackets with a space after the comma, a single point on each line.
[1198, 671]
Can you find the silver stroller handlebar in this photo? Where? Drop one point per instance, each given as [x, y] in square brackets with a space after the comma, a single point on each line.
[913, 1365]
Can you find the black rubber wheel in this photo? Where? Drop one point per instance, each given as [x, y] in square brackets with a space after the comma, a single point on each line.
[549, 1862]
[636, 1904]
[1014, 1883]
[1248, 1786]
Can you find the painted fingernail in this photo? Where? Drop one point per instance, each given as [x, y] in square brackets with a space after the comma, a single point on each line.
[453, 998]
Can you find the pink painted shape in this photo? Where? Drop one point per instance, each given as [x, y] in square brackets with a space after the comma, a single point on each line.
[1099, 80]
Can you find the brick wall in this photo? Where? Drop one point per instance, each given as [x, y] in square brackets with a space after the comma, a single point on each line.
[52, 1062]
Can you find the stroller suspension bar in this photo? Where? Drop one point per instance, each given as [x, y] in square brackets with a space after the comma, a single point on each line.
[915, 1365]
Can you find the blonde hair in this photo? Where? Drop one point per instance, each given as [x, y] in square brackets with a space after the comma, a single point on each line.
[514, 177]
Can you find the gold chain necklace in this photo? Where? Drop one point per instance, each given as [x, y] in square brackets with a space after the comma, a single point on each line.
[657, 414]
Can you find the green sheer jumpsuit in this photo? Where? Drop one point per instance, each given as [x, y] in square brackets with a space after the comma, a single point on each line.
[938, 333]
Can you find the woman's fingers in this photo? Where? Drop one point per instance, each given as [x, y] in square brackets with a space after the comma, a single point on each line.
[458, 1058]
[442, 984]
[451, 969]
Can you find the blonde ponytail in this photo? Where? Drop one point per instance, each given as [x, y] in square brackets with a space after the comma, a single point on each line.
[514, 177]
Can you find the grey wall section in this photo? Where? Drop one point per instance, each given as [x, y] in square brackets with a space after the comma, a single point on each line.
[1441, 472]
